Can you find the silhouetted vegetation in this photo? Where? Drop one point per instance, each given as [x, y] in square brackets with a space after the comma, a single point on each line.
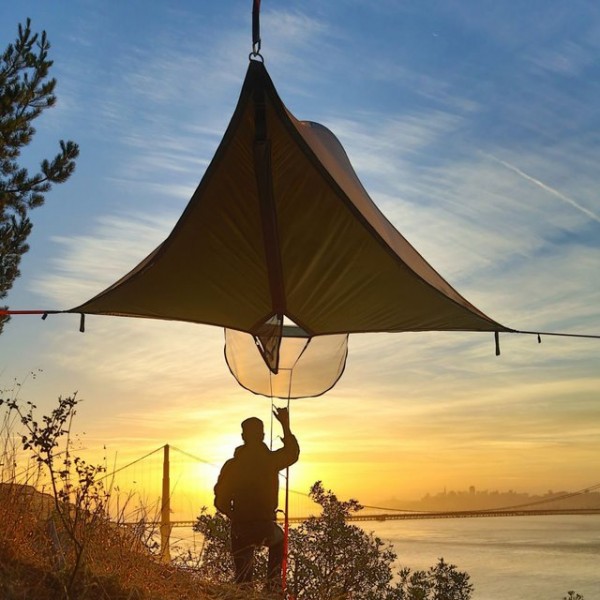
[65, 545]
[26, 91]
[330, 559]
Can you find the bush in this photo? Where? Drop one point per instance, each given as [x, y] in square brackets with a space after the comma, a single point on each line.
[440, 582]
[330, 559]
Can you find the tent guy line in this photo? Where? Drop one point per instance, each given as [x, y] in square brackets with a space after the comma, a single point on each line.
[45, 313]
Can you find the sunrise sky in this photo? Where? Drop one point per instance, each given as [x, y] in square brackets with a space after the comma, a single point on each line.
[475, 127]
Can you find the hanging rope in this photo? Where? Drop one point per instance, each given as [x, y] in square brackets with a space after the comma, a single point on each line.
[255, 54]
[286, 518]
[286, 513]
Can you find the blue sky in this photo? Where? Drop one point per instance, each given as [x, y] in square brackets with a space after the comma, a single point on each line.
[475, 128]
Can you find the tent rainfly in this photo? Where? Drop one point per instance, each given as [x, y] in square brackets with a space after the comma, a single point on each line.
[280, 226]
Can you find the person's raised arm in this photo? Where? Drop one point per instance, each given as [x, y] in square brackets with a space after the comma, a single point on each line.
[291, 450]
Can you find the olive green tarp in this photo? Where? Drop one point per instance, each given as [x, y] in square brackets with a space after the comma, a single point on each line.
[280, 226]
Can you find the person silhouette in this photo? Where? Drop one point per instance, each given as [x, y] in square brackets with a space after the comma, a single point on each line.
[247, 493]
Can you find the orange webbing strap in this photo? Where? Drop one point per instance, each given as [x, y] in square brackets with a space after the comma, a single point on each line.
[286, 535]
[256, 26]
[286, 520]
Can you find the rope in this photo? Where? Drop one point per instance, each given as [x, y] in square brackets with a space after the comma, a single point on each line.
[573, 335]
[45, 313]
[286, 517]
[5, 312]
[286, 525]
[272, 408]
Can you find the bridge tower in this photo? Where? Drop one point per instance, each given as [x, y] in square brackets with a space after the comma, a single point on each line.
[165, 509]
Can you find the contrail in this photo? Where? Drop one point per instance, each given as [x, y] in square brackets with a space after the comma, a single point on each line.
[545, 187]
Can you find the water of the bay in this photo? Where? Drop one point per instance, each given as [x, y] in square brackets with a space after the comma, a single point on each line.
[508, 558]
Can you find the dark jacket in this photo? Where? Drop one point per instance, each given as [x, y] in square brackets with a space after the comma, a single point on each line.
[248, 485]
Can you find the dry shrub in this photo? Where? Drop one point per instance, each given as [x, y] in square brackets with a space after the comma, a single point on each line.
[117, 566]
[63, 545]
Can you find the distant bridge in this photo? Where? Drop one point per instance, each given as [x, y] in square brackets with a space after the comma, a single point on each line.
[165, 524]
[457, 514]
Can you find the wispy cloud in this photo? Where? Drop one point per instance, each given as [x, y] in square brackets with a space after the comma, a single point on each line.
[88, 263]
[381, 145]
[570, 59]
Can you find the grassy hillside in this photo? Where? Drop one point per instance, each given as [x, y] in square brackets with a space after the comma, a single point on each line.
[37, 559]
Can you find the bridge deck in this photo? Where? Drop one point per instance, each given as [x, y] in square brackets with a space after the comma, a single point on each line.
[464, 514]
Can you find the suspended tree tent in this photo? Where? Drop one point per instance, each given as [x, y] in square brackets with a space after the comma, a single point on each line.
[281, 227]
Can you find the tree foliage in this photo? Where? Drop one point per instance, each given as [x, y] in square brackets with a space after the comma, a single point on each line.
[330, 559]
[440, 582]
[26, 91]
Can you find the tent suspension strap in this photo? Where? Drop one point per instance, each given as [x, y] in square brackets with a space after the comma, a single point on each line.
[272, 408]
[286, 522]
[268, 212]
[286, 509]
[255, 54]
